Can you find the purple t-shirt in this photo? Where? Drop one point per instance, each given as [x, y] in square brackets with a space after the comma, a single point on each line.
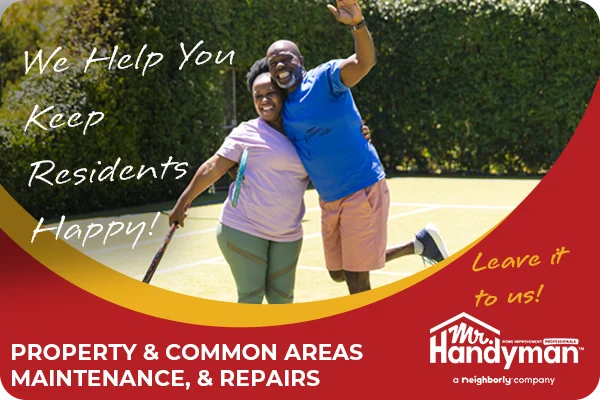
[271, 201]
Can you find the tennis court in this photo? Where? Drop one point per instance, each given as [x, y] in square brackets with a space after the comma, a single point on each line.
[462, 210]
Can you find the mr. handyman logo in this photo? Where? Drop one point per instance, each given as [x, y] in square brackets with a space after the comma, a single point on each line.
[464, 339]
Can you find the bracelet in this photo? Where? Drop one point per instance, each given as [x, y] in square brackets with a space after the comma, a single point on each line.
[359, 25]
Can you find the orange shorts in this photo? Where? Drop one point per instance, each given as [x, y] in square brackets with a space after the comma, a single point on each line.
[354, 229]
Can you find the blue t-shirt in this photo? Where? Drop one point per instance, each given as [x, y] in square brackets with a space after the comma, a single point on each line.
[322, 121]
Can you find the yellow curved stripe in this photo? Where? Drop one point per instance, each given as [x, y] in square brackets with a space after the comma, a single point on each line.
[112, 286]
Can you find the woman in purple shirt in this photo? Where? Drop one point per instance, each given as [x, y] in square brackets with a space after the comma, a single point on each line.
[261, 238]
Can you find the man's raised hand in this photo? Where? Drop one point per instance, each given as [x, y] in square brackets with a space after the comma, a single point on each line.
[347, 12]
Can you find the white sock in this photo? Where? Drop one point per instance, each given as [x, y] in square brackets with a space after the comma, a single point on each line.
[418, 246]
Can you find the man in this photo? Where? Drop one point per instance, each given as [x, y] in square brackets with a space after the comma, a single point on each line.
[321, 119]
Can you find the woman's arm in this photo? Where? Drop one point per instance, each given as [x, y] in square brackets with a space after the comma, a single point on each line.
[208, 173]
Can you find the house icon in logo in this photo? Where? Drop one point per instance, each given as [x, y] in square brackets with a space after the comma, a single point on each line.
[462, 339]
[467, 316]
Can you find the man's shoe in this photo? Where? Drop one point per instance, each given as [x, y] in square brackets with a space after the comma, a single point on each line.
[434, 249]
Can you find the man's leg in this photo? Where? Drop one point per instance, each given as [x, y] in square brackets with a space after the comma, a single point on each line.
[363, 231]
[428, 243]
[332, 244]
[400, 250]
[338, 276]
[358, 281]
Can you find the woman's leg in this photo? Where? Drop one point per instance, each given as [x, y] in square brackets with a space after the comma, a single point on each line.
[281, 272]
[247, 257]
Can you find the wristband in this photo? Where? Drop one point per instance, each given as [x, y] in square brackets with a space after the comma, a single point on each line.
[359, 25]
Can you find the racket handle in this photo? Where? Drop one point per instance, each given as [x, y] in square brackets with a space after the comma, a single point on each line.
[154, 266]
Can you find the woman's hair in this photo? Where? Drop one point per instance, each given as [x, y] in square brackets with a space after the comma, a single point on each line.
[258, 68]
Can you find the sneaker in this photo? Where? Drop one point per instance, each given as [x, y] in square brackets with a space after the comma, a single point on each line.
[434, 249]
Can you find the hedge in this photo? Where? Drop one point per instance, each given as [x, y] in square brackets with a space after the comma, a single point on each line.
[475, 87]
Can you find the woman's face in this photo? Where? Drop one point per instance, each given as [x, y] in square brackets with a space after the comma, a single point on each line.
[268, 98]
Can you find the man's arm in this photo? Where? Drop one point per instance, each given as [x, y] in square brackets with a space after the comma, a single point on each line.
[357, 66]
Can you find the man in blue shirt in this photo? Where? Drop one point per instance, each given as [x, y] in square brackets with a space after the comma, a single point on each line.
[321, 119]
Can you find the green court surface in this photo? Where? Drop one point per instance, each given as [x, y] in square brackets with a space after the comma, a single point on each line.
[462, 209]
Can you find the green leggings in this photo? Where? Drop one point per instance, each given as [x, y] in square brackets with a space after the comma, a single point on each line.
[260, 267]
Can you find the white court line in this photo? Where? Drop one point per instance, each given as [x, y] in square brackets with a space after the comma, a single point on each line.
[406, 214]
[395, 216]
[217, 261]
[311, 236]
[429, 207]
[142, 242]
[377, 272]
[460, 206]
[214, 260]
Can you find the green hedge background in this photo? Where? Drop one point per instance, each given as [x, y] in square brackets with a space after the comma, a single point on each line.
[461, 86]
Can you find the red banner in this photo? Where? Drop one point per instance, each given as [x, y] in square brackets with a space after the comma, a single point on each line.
[513, 316]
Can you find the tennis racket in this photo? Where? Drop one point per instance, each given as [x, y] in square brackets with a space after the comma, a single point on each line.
[240, 177]
[154, 266]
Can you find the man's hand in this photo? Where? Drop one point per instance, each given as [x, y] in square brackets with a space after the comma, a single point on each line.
[348, 12]
[358, 65]
[366, 132]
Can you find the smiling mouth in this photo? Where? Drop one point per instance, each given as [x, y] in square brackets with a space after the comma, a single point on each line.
[284, 76]
[267, 109]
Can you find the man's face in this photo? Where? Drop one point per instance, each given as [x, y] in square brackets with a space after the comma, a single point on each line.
[286, 67]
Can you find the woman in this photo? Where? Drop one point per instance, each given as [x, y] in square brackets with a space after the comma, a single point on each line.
[261, 238]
